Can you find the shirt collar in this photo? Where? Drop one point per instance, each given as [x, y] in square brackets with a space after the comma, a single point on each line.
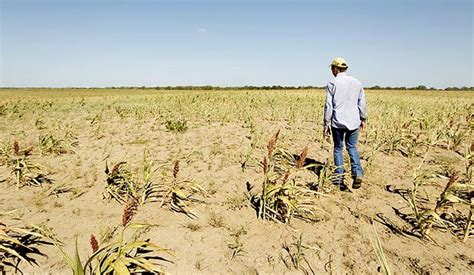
[341, 73]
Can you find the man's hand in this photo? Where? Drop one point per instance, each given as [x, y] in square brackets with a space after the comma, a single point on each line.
[326, 132]
[362, 126]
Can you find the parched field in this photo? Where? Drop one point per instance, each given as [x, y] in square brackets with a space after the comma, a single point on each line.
[202, 180]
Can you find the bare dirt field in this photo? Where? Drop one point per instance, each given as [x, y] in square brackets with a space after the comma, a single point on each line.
[198, 180]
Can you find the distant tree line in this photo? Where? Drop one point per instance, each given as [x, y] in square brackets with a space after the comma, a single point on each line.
[210, 88]
[421, 88]
[278, 87]
[273, 87]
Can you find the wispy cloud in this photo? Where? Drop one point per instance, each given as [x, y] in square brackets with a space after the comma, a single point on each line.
[201, 30]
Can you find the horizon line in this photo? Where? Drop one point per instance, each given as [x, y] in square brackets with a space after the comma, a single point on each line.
[250, 87]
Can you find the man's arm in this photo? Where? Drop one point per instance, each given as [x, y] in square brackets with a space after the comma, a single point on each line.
[328, 108]
[362, 106]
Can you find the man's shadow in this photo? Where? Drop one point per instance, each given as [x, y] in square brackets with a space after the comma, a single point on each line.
[314, 166]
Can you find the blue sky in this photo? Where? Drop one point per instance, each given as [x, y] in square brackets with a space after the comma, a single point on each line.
[231, 43]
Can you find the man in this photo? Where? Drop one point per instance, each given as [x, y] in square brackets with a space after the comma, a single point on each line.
[345, 112]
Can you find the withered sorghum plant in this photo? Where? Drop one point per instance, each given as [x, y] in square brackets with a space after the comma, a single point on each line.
[283, 193]
[26, 172]
[296, 256]
[50, 144]
[118, 256]
[237, 245]
[455, 193]
[19, 244]
[122, 185]
[177, 126]
[179, 193]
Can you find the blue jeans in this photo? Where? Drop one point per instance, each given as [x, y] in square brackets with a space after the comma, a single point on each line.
[350, 137]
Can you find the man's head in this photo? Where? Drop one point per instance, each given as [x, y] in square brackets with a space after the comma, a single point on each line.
[338, 65]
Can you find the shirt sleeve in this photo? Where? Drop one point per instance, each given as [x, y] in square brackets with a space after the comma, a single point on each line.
[328, 105]
[362, 105]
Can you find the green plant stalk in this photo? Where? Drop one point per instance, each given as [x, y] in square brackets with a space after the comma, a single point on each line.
[380, 253]
[175, 187]
[18, 173]
[413, 202]
[299, 251]
[467, 229]
[74, 264]
[121, 242]
[467, 163]
[93, 256]
[414, 191]
[263, 199]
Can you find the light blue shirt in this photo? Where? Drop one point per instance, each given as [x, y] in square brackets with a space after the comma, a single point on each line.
[345, 103]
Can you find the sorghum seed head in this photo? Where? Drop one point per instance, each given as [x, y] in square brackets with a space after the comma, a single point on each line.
[452, 180]
[129, 211]
[116, 168]
[287, 175]
[302, 157]
[16, 148]
[94, 243]
[272, 143]
[265, 165]
[176, 169]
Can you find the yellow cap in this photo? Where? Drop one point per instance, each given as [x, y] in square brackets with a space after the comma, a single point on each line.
[339, 62]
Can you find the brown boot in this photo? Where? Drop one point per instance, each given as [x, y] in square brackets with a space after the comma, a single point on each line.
[357, 183]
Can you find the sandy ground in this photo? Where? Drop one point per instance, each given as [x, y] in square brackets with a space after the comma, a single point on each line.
[211, 153]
